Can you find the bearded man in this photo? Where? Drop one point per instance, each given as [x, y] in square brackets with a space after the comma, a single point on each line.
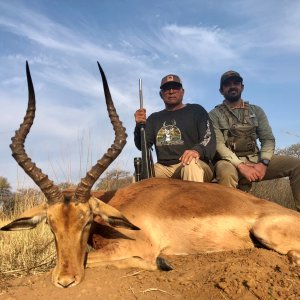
[238, 126]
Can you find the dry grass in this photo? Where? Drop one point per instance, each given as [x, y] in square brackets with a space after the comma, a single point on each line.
[27, 251]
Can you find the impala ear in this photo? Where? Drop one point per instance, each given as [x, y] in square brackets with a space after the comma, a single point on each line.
[28, 220]
[110, 214]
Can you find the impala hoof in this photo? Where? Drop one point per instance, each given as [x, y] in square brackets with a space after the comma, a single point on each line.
[294, 257]
[163, 264]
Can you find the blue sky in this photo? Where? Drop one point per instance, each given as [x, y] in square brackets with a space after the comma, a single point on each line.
[198, 40]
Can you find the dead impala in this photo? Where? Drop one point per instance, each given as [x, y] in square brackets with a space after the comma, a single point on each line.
[174, 217]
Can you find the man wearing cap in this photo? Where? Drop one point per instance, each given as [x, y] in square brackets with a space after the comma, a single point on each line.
[182, 135]
[238, 125]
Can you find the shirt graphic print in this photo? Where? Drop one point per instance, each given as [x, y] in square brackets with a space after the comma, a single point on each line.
[169, 134]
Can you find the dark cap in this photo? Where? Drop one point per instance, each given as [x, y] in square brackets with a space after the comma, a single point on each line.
[171, 78]
[230, 75]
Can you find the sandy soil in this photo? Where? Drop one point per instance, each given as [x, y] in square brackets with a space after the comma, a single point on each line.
[245, 275]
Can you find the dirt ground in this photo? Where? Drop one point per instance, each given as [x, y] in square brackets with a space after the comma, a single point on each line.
[246, 275]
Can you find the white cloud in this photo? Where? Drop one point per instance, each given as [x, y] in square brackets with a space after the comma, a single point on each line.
[68, 85]
[49, 34]
[208, 46]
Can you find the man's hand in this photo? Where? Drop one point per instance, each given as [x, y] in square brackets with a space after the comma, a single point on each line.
[188, 156]
[250, 171]
[261, 169]
[140, 116]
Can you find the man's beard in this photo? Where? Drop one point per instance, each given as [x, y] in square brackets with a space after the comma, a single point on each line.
[233, 98]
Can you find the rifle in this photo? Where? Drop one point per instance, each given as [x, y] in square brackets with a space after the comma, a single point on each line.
[143, 165]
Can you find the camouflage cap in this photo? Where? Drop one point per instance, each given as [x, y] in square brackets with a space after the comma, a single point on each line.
[230, 75]
[171, 78]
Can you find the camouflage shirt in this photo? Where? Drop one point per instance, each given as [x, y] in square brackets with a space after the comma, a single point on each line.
[263, 133]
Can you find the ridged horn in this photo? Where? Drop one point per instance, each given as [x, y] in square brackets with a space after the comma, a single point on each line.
[50, 190]
[82, 193]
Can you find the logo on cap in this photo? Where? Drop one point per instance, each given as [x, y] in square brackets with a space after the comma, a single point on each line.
[170, 78]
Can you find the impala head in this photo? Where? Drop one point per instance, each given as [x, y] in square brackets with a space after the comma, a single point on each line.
[68, 213]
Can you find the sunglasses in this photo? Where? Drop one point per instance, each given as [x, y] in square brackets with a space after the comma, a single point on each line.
[173, 87]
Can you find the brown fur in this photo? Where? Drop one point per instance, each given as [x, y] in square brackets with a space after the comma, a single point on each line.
[179, 217]
[174, 217]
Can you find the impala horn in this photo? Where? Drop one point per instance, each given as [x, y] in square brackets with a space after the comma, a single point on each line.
[82, 193]
[50, 190]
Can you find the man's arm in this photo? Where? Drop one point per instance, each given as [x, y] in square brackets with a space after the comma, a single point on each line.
[206, 144]
[207, 140]
[265, 134]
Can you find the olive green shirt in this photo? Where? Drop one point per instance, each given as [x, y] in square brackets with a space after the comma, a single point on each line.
[263, 134]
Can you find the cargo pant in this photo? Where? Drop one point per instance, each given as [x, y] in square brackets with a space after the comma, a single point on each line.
[199, 172]
[279, 167]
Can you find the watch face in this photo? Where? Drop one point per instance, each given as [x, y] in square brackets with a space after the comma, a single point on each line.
[265, 162]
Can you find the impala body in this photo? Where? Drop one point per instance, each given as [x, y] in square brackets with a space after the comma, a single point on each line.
[135, 225]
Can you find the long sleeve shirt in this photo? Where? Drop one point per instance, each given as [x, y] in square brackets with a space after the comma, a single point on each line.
[263, 133]
[173, 132]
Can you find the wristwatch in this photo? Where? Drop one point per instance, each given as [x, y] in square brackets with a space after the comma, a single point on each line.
[265, 162]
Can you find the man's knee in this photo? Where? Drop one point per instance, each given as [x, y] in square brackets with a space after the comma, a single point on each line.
[224, 168]
[197, 171]
[226, 173]
[192, 172]
[192, 167]
[297, 166]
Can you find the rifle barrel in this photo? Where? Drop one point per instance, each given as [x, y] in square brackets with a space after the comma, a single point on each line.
[146, 166]
[141, 94]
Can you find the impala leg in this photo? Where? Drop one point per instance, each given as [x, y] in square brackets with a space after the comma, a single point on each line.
[280, 233]
[131, 262]
[124, 254]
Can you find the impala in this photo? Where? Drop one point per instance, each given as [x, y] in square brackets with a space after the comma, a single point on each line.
[134, 226]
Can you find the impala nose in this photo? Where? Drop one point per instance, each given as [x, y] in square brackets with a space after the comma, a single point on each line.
[66, 281]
